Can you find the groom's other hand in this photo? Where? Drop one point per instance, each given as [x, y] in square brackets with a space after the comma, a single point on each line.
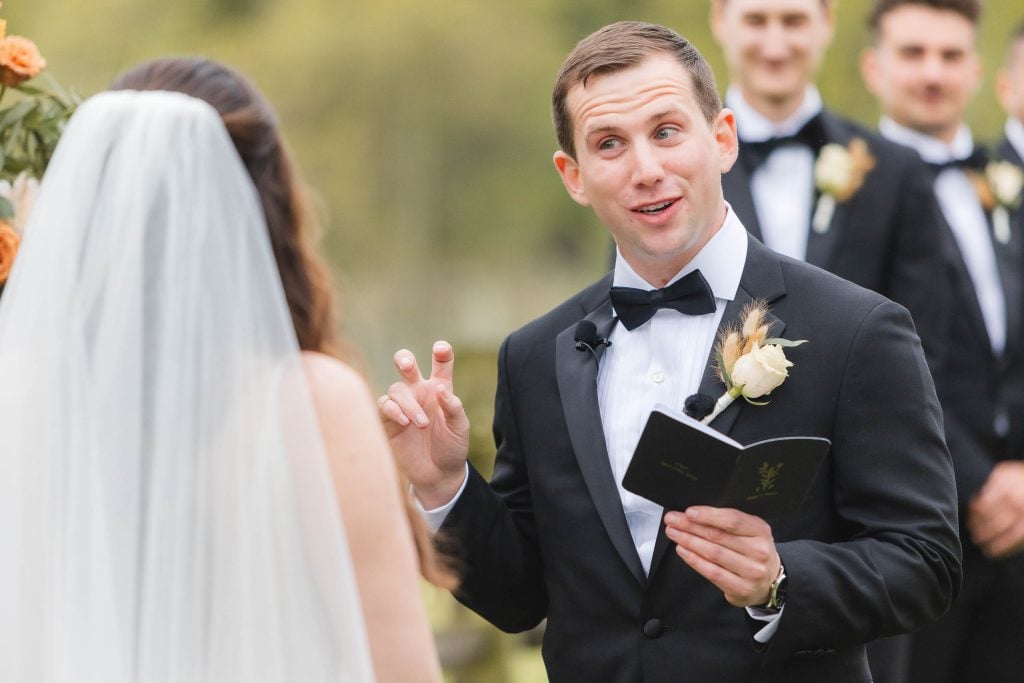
[731, 549]
[427, 426]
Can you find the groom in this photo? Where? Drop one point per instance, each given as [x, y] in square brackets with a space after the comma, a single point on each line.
[631, 592]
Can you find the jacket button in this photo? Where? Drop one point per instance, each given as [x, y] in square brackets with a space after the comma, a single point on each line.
[653, 628]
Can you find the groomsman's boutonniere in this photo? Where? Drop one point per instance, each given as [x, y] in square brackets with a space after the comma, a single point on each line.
[748, 362]
[999, 192]
[838, 173]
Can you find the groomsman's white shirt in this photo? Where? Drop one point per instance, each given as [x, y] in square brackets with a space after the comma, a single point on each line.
[966, 217]
[1015, 134]
[662, 361]
[783, 186]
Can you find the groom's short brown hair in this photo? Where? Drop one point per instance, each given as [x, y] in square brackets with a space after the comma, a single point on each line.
[620, 46]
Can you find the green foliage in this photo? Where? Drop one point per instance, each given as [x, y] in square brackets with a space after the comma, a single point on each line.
[30, 129]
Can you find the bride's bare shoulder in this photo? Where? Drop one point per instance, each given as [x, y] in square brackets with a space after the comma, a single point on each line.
[333, 383]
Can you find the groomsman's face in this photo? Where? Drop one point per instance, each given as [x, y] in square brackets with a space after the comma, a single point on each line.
[773, 47]
[1010, 82]
[924, 68]
[649, 163]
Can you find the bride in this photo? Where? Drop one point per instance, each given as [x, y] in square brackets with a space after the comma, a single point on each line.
[189, 491]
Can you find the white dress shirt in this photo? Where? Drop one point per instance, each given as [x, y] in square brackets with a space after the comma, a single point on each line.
[783, 186]
[1015, 134]
[966, 217]
[662, 361]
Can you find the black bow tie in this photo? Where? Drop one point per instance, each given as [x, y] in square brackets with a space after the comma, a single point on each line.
[976, 161]
[811, 135]
[691, 295]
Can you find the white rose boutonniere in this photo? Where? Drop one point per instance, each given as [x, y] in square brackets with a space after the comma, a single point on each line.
[1000, 193]
[838, 173]
[748, 362]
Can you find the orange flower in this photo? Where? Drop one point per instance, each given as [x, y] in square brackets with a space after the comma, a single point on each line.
[19, 61]
[9, 242]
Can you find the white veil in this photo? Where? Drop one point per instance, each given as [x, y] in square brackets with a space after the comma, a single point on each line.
[166, 511]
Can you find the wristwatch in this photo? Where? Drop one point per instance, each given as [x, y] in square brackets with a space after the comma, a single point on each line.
[777, 591]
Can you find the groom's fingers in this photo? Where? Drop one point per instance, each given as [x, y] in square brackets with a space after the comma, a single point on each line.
[442, 367]
[405, 362]
[745, 534]
[732, 561]
[392, 415]
[738, 591]
[402, 397]
[451, 407]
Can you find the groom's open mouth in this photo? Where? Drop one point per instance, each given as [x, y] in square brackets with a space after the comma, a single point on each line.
[655, 208]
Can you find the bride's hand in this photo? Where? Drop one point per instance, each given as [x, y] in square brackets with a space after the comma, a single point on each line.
[427, 426]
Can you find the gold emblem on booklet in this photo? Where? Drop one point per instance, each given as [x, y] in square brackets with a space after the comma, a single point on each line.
[768, 476]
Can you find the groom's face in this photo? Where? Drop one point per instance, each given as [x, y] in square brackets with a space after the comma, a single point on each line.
[648, 162]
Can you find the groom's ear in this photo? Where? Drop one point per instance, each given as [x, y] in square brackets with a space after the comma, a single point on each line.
[569, 172]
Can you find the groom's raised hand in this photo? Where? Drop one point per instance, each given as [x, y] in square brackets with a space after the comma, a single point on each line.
[427, 426]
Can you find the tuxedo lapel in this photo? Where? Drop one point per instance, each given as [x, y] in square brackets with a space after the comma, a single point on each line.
[821, 246]
[761, 280]
[1008, 152]
[1008, 261]
[576, 373]
[1009, 257]
[736, 188]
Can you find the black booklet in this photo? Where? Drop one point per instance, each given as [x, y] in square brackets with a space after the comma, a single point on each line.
[680, 462]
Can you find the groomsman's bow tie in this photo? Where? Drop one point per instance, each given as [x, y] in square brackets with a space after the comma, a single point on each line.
[811, 135]
[691, 295]
[975, 161]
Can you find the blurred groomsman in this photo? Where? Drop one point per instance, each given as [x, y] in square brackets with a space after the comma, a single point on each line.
[815, 186]
[1010, 89]
[924, 68]
[820, 188]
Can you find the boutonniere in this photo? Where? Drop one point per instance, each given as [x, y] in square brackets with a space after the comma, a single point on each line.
[999, 191]
[749, 362]
[838, 173]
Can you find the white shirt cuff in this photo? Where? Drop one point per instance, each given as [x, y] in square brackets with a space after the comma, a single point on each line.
[435, 518]
[770, 617]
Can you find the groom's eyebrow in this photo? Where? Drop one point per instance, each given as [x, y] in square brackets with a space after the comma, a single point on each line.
[665, 114]
[653, 118]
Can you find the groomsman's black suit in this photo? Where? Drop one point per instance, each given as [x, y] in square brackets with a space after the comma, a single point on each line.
[873, 551]
[1008, 152]
[975, 387]
[886, 237]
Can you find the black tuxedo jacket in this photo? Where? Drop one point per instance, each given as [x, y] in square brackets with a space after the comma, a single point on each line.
[976, 386]
[1006, 151]
[886, 237]
[873, 551]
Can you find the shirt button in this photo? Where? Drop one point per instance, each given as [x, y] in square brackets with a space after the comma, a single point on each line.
[658, 377]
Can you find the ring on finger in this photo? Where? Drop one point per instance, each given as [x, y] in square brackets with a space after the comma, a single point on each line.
[382, 400]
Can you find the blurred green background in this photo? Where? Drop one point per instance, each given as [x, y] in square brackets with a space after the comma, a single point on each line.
[425, 129]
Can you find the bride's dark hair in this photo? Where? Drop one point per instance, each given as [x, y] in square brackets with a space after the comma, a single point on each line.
[252, 125]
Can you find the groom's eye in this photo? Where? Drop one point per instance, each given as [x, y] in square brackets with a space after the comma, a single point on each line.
[666, 132]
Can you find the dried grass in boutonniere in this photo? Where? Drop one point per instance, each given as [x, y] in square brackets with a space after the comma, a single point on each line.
[749, 362]
[999, 191]
[838, 173]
